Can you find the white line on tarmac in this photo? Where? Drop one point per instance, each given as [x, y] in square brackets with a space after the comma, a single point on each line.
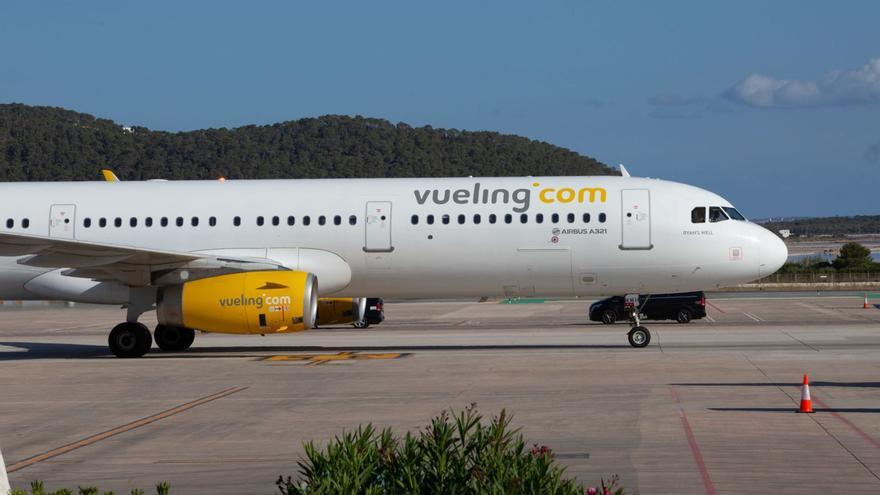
[754, 317]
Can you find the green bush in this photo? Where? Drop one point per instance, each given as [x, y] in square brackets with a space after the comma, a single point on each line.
[37, 488]
[455, 454]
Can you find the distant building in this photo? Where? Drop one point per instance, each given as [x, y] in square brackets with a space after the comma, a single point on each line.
[129, 130]
[785, 233]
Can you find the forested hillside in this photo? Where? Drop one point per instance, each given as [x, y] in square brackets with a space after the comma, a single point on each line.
[45, 143]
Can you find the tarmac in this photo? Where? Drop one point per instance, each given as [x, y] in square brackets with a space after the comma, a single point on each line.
[707, 408]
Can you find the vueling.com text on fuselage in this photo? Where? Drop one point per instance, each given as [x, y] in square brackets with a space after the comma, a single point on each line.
[522, 198]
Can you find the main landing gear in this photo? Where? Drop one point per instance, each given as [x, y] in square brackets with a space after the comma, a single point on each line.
[638, 335]
[133, 339]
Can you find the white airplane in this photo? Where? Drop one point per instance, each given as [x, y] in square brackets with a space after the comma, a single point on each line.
[257, 256]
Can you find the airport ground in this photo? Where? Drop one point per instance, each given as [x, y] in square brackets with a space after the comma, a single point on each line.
[708, 407]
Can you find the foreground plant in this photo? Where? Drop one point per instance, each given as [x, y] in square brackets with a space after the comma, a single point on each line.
[455, 454]
[37, 488]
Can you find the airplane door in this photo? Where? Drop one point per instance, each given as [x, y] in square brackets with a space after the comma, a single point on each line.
[635, 205]
[378, 227]
[62, 221]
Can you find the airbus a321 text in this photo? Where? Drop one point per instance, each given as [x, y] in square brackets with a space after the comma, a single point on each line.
[271, 256]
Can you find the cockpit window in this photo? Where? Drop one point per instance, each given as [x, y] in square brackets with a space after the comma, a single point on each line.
[698, 215]
[731, 211]
[716, 214]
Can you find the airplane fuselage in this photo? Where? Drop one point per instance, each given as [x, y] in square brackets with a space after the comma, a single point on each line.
[414, 238]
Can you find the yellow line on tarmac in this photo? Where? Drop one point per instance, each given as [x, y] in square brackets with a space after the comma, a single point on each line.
[121, 429]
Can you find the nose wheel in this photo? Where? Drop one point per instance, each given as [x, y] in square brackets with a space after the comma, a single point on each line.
[639, 336]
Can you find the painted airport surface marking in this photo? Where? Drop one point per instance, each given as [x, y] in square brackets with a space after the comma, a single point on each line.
[318, 359]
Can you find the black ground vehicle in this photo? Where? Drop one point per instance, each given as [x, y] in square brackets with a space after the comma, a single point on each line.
[374, 314]
[682, 307]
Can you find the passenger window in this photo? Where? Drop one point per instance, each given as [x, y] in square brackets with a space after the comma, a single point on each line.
[539, 218]
[260, 221]
[461, 219]
[102, 222]
[429, 219]
[164, 222]
[179, 221]
[492, 218]
[414, 220]
[148, 221]
[524, 218]
[445, 219]
[602, 218]
[698, 215]
[87, 222]
[117, 222]
[733, 213]
[194, 221]
[554, 218]
[352, 220]
[586, 218]
[291, 220]
[477, 219]
[236, 221]
[133, 222]
[212, 221]
[337, 220]
[508, 218]
[10, 223]
[307, 220]
[25, 223]
[276, 221]
[322, 220]
[571, 218]
[716, 214]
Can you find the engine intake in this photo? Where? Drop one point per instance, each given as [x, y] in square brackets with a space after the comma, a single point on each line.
[250, 302]
[341, 310]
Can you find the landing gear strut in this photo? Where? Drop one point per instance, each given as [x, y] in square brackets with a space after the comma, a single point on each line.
[130, 340]
[638, 335]
[173, 339]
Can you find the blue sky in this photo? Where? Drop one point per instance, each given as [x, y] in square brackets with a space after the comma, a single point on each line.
[774, 105]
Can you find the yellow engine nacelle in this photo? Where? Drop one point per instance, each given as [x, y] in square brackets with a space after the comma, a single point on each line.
[338, 310]
[249, 302]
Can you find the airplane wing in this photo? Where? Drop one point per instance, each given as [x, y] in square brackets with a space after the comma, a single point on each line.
[129, 265]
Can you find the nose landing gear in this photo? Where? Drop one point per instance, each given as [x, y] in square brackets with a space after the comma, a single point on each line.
[638, 335]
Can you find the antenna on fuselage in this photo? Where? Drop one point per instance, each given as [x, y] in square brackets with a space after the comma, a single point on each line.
[623, 171]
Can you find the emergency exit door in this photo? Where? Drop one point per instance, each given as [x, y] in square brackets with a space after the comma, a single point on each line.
[378, 227]
[635, 217]
[62, 221]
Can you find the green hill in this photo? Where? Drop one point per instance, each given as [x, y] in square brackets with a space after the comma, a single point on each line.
[45, 143]
[833, 226]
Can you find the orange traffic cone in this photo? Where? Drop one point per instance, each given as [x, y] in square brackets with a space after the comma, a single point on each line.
[866, 306]
[806, 402]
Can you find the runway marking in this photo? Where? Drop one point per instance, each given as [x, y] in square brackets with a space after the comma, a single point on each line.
[710, 319]
[716, 308]
[754, 317]
[868, 438]
[318, 359]
[120, 429]
[692, 443]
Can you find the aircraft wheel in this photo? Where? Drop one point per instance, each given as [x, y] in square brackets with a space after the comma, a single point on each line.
[172, 339]
[130, 340]
[609, 316]
[639, 337]
[683, 316]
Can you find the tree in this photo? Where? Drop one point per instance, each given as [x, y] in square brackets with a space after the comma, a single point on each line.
[853, 256]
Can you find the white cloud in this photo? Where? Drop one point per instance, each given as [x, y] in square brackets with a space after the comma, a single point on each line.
[853, 87]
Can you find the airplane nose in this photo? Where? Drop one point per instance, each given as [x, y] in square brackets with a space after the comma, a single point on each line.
[774, 254]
